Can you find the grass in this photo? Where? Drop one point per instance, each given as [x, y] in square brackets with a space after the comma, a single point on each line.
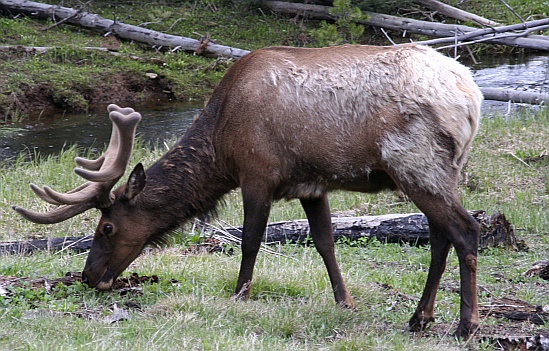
[71, 77]
[292, 308]
[292, 305]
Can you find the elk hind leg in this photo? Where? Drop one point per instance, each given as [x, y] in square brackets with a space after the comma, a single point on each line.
[449, 223]
[425, 313]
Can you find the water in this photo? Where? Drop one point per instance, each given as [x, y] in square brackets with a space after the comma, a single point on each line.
[52, 131]
[520, 72]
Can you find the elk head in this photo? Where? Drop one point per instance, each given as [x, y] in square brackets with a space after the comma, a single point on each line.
[108, 256]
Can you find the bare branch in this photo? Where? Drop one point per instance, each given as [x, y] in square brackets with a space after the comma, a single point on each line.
[122, 30]
[512, 10]
[456, 13]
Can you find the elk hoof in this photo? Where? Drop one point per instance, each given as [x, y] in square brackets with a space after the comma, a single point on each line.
[347, 304]
[465, 330]
[417, 323]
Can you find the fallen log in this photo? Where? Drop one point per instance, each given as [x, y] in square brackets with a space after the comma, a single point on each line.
[451, 32]
[204, 46]
[407, 228]
[538, 269]
[410, 228]
[25, 247]
[515, 96]
[514, 309]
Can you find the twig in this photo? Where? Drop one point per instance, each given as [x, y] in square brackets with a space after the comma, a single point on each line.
[387, 35]
[174, 23]
[78, 11]
[224, 236]
[471, 54]
[518, 158]
[63, 20]
[464, 39]
[513, 11]
[74, 243]
[147, 23]
[455, 45]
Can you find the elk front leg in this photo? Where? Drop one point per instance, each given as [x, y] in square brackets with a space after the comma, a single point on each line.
[320, 223]
[257, 205]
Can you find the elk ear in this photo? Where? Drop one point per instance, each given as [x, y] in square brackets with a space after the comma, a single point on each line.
[136, 182]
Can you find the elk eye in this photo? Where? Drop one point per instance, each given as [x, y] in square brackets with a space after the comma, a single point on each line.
[107, 229]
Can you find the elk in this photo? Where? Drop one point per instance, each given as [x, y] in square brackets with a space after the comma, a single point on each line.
[287, 123]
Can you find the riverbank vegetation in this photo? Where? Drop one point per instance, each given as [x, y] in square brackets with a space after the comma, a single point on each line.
[189, 306]
[72, 74]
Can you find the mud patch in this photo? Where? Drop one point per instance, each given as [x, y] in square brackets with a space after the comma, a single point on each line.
[121, 87]
[123, 286]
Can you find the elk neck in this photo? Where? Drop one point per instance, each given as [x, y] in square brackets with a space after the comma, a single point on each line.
[188, 181]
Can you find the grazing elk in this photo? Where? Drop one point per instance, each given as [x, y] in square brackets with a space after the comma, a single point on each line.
[297, 123]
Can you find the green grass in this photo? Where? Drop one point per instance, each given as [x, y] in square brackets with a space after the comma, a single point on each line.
[291, 307]
[497, 11]
[72, 78]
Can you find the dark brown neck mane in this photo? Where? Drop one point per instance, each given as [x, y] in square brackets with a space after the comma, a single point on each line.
[188, 181]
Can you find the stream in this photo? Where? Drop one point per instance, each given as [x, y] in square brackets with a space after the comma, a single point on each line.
[51, 131]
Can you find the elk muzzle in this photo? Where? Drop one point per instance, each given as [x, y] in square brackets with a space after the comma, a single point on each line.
[106, 261]
[96, 272]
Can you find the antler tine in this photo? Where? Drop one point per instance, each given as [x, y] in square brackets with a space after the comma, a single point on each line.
[95, 165]
[122, 110]
[118, 152]
[57, 215]
[85, 192]
[102, 174]
[46, 192]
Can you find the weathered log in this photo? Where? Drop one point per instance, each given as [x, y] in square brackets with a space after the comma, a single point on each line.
[538, 269]
[75, 244]
[125, 31]
[391, 228]
[515, 96]
[410, 228]
[514, 309]
[432, 29]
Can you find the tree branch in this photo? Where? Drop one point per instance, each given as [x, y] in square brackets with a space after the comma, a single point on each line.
[456, 13]
[432, 29]
[122, 30]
